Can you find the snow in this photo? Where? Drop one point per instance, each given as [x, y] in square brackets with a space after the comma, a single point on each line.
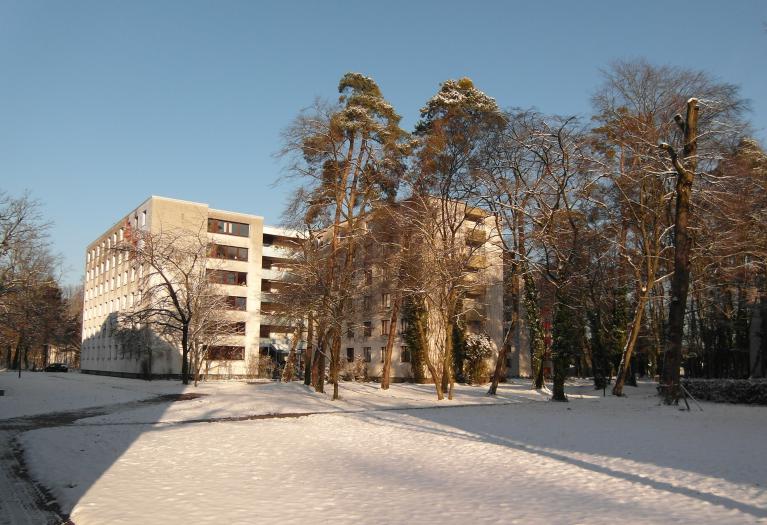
[400, 457]
[41, 392]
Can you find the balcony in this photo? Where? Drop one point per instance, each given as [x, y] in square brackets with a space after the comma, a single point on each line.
[280, 342]
[474, 311]
[272, 297]
[274, 274]
[476, 214]
[274, 319]
[477, 262]
[278, 252]
[476, 290]
[476, 237]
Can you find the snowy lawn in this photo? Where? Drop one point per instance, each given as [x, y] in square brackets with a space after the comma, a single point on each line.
[593, 460]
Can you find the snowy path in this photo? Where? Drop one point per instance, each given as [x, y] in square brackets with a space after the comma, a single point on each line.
[401, 457]
[22, 499]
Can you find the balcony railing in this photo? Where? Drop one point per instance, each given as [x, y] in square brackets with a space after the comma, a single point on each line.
[273, 274]
[274, 319]
[477, 262]
[277, 252]
[476, 237]
[476, 214]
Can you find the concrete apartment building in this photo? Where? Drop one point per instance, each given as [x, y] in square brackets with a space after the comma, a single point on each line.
[247, 260]
[251, 263]
[367, 332]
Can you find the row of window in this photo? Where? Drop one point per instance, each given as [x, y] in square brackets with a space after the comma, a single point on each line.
[105, 266]
[404, 354]
[139, 221]
[227, 277]
[120, 279]
[114, 305]
[234, 302]
[231, 253]
[225, 353]
[228, 227]
[367, 301]
[367, 328]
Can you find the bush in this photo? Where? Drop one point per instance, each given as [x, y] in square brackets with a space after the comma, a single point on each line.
[356, 370]
[477, 348]
[745, 391]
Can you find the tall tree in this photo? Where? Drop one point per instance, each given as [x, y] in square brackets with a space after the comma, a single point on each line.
[349, 157]
[455, 125]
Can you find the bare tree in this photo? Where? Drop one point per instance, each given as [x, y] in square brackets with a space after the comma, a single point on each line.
[177, 301]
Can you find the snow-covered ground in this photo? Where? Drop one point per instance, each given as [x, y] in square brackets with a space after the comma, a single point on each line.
[401, 457]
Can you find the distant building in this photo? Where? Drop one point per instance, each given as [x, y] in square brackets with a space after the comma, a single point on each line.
[252, 264]
[249, 261]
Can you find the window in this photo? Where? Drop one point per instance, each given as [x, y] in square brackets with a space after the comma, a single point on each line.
[350, 354]
[349, 331]
[236, 303]
[232, 253]
[228, 228]
[403, 326]
[114, 239]
[404, 354]
[122, 234]
[236, 328]
[143, 218]
[226, 353]
[227, 277]
[368, 277]
[125, 277]
[386, 300]
[384, 327]
[367, 329]
[383, 353]
[366, 303]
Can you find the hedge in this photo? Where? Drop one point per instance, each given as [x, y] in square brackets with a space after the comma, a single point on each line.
[745, 391]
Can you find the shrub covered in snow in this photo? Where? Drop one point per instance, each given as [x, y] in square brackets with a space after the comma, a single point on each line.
[746, 391]
[356, 370]
[477, 348]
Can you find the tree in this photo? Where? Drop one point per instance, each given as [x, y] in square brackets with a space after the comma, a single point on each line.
[30, 299]
[349, 158]
[635, 111]
[177, 301]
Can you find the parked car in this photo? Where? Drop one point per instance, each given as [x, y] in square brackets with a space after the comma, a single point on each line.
[57, 367]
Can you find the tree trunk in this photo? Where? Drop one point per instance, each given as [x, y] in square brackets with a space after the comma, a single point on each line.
[386, 372]
[628, 349]
[318, 367]
[537, 344]
[308, 352]
[680, 279]
[502, 353]
[447, 364]
[335, 364]
[290, 364]
[185, 354]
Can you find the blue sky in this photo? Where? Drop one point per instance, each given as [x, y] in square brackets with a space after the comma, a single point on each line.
[104, 103]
